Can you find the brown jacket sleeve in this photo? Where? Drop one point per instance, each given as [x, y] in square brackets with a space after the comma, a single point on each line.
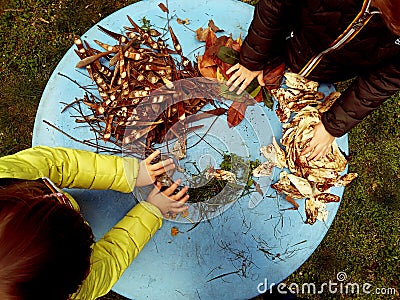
[267, 33]
[364, 95]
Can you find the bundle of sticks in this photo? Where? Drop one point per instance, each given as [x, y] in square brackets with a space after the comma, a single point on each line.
[147, 92]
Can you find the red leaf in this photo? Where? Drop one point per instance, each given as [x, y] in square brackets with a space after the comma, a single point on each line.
[181, 110]
[231, 43]
[273, 76]
[206, 114]
[208, 62]
[236, 113]
[223, 67]
[214, 48]
[259, 96]
[236, 46]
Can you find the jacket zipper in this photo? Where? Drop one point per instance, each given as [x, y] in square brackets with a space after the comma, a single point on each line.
[358, 23]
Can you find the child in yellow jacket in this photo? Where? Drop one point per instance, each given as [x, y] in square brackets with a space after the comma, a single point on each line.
[47, 250]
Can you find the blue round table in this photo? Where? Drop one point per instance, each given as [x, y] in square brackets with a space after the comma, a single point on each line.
[240, 252]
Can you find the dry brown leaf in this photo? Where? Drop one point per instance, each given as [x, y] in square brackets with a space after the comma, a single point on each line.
[88, 60]
[206, 114]
[207, 60]
[201, 34]
[258, 188]
[163, 7]
[213, 27]
[183, 22]
[327, 197]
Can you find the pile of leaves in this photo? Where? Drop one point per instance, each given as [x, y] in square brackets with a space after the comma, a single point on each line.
[220, 54]
[300, 103]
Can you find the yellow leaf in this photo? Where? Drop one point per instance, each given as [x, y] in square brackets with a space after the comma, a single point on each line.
[220, 77]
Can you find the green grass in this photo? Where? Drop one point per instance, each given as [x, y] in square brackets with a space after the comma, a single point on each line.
[364, 240]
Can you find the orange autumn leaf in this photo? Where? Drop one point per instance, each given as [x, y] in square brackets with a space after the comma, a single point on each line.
[228, 42]
[207, 63]
[174, 231]
[183, 22]
[206, 60]
[202, 34]
[213, 49]
[210, 38]
[236, 113]
[293, 202]
[206, 68]
[236, 46]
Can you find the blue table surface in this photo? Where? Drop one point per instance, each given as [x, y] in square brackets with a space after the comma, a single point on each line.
[230, 256]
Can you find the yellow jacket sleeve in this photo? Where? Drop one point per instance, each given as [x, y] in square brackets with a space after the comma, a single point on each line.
[113, 253]
[72, 168]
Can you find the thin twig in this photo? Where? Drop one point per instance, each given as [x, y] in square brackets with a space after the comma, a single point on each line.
[203, 134]
[79, 85]
[220, 153]
[223, 275]
[85, 142]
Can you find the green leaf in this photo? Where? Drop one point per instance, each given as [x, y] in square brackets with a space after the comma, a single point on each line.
[224, 92]
[252, 86]
[231, 56]
[267, 98]
[228, 55]
[255, 91]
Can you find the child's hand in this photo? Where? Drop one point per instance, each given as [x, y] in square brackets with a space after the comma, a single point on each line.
[169, 204]
[320, 144]
[242, 76]
[148, 172]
